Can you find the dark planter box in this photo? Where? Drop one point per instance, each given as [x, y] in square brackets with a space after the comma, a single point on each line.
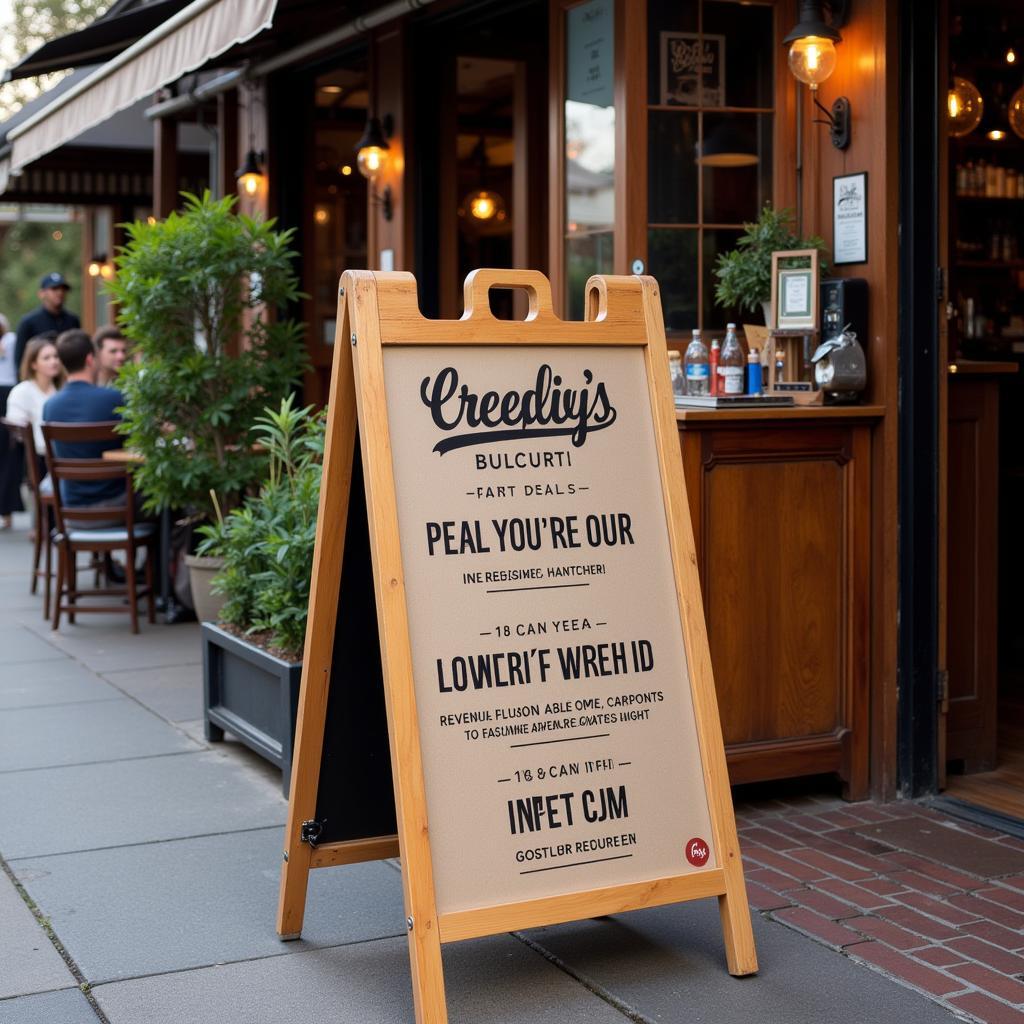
[252, 695]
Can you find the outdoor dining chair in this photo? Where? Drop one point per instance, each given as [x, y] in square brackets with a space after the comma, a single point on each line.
[42, 541]
[96, 528]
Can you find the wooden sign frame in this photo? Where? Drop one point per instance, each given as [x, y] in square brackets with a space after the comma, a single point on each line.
[808, 324]
[377, 310]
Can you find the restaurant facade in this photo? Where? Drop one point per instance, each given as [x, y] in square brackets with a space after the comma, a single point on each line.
[848, 553]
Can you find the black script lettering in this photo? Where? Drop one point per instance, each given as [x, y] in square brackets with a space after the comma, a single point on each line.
[546, 410]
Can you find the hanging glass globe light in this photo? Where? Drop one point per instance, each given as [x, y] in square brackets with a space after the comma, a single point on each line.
[1015, 112]
[965, 107]
[483, 204]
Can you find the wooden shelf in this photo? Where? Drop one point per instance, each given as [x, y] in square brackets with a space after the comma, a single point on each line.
[979, 367]
[797, 412]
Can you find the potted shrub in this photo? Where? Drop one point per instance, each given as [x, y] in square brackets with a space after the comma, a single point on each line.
[745, 274]
[196, 295]
[252, 657]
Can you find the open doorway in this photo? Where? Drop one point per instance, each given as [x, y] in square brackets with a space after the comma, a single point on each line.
[983, 197]
[481, 123]
[485, 152]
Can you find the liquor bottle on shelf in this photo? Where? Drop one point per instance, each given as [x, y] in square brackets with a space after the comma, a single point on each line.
[716, 355]
[696, 364]
[731, 364]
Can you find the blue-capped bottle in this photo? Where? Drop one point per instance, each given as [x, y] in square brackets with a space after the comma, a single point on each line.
[698, 375]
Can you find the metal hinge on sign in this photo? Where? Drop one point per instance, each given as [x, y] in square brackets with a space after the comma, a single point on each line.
[309, 832]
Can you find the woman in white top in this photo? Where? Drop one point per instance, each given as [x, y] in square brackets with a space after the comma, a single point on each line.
[41, 375]
[10, 455]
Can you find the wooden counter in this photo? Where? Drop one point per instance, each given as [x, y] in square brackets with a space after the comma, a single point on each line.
[780, 501]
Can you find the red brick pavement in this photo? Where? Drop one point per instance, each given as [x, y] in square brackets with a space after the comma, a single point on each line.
[956, 936]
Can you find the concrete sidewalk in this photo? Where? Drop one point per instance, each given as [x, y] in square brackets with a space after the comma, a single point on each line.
[140, 873]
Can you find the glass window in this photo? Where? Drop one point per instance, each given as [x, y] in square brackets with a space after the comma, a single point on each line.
[589, 146]
[671, 167]
[711, 121]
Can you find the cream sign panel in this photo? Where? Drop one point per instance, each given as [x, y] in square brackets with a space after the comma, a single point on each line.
[559, 745]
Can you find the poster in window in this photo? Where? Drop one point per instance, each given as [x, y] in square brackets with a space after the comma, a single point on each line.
[850, 218]
[692, 70]
[590, 53]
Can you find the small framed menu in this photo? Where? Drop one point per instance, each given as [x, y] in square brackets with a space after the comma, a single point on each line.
[850, 218]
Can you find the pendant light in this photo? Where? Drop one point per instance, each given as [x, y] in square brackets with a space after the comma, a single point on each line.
[964, 106]
[483, 204]
[727, 145]
[1015, 112]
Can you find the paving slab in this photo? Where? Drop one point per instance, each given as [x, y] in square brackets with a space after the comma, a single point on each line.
[174, 692]
[187, 903]
[21, 645]
[28, 961]
[496, 980]
[231, 746]
[144, 800]
[668, 964]
[66, 1007]
[80, 733]
[105, 643]
[57, 682]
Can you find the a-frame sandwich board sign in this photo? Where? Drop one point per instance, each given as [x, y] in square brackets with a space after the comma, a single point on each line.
[554, 737]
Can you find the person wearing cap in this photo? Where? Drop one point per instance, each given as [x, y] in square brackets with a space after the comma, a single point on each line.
[50, 317]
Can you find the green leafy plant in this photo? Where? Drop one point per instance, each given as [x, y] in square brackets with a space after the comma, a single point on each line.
[196, 294]
[745, 274]
[267, 543]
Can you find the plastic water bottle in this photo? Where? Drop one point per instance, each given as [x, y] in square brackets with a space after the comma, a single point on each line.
[696, 364]
[731, 364]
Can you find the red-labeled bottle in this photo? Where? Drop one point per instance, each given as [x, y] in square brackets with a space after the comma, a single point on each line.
[716, 353]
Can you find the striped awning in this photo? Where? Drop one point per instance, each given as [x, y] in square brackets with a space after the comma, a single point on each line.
[185, 42]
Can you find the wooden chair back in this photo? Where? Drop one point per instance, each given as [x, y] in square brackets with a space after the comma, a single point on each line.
[119, 513]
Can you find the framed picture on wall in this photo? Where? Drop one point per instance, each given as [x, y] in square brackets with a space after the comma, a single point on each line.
[795, 276]
[692, 70]
[850, 218]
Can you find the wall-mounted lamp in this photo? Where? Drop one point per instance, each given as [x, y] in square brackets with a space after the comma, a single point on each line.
[812, 58]
[250, 174]
[371, 159]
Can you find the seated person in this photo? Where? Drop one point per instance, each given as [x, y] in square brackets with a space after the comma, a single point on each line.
[111, 353]
[41, 377]
[82, 401]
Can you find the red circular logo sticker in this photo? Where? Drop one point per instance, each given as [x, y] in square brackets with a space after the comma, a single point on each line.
[697, 852]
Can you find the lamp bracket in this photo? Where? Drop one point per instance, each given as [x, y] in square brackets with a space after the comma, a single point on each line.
[384, 201]
[837, 119]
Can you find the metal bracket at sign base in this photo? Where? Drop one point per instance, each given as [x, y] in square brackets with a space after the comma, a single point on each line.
[309, 832]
